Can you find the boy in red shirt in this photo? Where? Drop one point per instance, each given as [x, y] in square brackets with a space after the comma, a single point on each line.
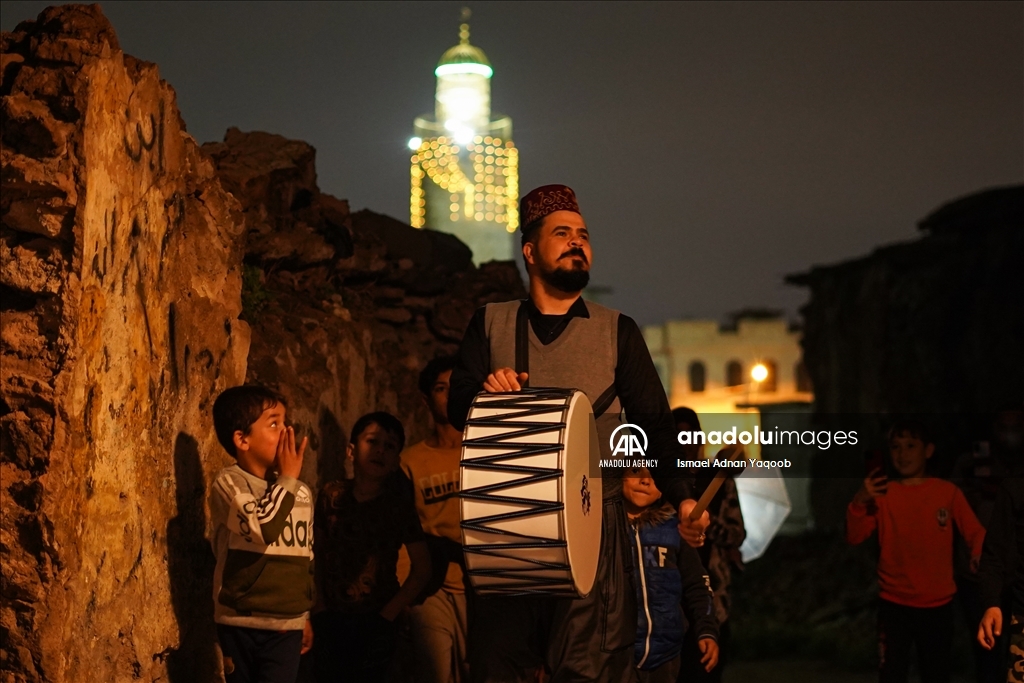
[914, 516]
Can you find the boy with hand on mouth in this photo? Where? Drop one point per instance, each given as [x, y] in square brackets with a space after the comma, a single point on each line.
[262, 516]
[361, 523]
[670, 580]
[914, 516]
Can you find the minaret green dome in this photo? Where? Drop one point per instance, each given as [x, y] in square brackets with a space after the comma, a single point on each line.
[464, 58]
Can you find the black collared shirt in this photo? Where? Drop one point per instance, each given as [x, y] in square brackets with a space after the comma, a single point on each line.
[549, 327]
[637, 385]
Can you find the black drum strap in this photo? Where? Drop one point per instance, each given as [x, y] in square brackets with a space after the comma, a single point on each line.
[604, 401]
[523, 342]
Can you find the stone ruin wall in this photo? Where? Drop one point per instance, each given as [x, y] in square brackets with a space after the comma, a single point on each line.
[121, 293]
[345, 307]
[126, 254]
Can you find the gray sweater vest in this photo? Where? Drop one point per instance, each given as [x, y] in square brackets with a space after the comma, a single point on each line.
[583, 357]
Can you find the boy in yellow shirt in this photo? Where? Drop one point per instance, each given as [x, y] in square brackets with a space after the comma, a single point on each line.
[438, 625]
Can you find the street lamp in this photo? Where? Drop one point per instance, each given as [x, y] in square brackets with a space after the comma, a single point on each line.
[759, 373]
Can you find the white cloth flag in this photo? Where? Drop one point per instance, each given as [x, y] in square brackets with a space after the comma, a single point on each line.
[765, 505]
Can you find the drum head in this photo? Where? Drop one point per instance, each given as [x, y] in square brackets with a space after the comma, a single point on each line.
[531, 513]
[581, 493]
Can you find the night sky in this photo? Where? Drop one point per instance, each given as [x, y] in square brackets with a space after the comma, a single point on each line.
[714, 148]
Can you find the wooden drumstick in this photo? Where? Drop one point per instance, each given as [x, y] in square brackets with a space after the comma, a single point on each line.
[713, 487]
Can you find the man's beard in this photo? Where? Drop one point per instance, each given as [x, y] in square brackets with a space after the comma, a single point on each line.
[569, 281]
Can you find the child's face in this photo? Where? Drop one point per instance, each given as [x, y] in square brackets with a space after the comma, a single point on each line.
[260, 444]
[909, 454]
[638, 488]
[438, 400]
[374, 453]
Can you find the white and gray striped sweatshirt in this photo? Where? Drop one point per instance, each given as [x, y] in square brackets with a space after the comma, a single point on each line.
[263, 541]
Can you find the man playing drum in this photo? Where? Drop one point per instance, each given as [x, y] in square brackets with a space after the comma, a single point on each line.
[581, 345]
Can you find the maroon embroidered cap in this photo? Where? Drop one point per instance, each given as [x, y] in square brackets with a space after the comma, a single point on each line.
[545, 200]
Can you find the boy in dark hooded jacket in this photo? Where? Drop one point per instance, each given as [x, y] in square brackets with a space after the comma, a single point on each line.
[670, 580]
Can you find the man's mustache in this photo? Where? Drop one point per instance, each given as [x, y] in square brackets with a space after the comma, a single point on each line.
[575, 251]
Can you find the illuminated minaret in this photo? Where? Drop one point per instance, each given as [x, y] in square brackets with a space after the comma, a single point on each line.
[465, 169]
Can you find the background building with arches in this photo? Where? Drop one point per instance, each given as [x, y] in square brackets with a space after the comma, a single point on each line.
[707, 365]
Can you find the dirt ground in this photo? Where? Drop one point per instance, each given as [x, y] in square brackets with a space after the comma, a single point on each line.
[783, 671]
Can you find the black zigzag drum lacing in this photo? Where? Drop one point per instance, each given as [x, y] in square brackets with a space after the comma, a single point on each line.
[531, 513]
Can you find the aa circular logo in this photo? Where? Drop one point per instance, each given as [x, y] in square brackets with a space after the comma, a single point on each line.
[628, 443]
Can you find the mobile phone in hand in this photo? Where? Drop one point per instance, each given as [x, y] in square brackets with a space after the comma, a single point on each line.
[874, 463]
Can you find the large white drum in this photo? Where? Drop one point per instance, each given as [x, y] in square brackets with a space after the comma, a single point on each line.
[531, 512]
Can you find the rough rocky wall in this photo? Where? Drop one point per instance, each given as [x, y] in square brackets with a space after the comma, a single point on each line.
[345, 307]
[120, 280]
[933, 326]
